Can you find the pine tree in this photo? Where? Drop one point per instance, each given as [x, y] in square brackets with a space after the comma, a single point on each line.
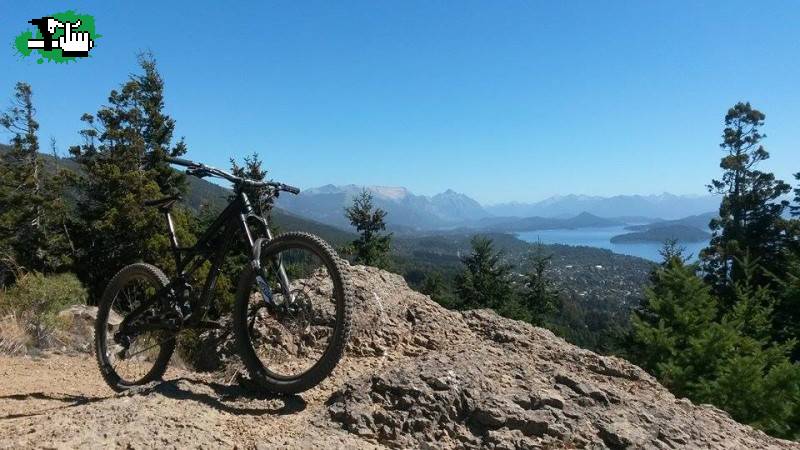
[371, 248]
[251, 169]
[485, 280]
[787, 308]
[678, 311]
[435, 286]
[123, 163]
[156, 128]
[31, 199]
[755, 379]
[795, 208]
[709, 354]
[540, 296]
[749, 219]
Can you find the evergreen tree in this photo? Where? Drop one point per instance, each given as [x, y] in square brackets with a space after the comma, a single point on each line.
[435, 286]
[793, 225]
[540, 296]
[122, 158]
[709, 354]
[485, 280]
[749, 221]
[156, 128]
[31, 204]
[755, 379]
[787, 308]
[796, 206]
[679, 310]
[251, 169]
[371, 248]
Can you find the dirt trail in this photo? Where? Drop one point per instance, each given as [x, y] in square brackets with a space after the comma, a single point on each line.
[415, 376]
[61, 401]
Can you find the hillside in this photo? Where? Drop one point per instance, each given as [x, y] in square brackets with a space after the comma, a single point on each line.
[514, 224]
[698, 221]
[415, 376]
[616, 284]
[662, 233]
[202, 192]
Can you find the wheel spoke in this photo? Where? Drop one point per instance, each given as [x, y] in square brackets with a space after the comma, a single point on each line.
[285, 343]
[132, 355]
[157, 344]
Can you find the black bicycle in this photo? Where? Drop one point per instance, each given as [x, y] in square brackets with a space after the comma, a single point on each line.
[291, 314]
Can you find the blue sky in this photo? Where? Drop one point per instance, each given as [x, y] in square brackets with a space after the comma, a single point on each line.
[499, 100]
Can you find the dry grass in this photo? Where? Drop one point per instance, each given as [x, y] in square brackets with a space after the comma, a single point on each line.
[14, 340]
[29, 310]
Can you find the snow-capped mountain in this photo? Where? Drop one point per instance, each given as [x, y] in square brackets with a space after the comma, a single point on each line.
[405, 209]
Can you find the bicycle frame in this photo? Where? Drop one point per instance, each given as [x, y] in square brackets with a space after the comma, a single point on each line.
[212, 246]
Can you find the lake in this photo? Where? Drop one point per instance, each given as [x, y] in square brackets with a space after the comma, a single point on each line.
[601, 238]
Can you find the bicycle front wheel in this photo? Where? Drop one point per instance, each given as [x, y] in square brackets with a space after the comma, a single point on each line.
[291, 334]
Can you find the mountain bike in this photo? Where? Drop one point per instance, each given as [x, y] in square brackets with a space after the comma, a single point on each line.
[292, 307]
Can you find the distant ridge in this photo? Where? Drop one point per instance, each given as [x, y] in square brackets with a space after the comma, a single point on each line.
[665, 206]
[699, 221]
[405, 209]
[201, 192]
[409, 212]
[513, 224]
[450, 209]
[663, 233]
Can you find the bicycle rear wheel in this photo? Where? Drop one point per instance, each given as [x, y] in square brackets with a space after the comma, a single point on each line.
[128, 360]
[290, 343]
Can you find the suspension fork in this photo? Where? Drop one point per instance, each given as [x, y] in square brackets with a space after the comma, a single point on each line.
[246, 213]
[280, 270]
[283, 279]
[261, 276]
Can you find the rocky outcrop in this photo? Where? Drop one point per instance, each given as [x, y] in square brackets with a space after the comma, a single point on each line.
[475, 379]
[415, 376]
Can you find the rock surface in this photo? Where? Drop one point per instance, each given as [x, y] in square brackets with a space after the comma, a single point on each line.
[416, 376]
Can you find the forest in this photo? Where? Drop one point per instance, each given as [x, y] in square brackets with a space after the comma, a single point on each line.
[722, 330]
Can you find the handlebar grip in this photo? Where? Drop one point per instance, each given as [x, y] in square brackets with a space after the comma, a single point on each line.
[195, 172]
[182, 162]
[290, 189]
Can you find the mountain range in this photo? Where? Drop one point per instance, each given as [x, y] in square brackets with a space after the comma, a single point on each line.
[664, 206]
[450, 210]
[405, 210]
[408, 211]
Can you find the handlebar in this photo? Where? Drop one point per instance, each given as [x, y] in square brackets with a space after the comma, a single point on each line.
[202, 170]
[182, 162]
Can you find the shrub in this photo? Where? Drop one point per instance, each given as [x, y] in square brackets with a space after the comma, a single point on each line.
[35, 301]
[13, 338]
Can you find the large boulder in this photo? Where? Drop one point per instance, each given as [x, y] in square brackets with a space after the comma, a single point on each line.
[478, 380]
[76, 328]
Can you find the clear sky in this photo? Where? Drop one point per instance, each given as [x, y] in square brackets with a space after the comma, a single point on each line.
[501, 100]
